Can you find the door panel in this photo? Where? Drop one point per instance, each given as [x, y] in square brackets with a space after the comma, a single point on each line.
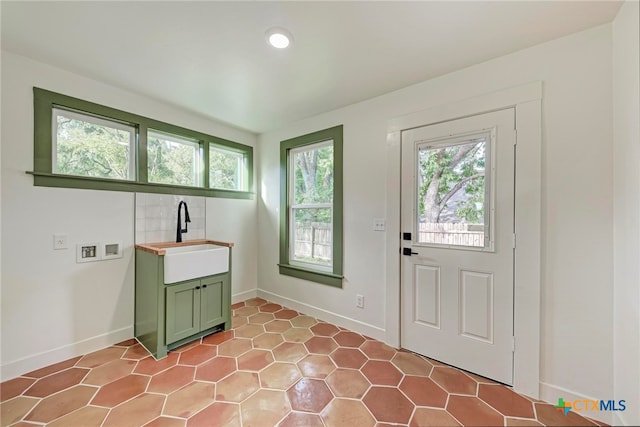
[183, 310]
[212, 298]
[427, 295]
[476, 305]
[458, 204]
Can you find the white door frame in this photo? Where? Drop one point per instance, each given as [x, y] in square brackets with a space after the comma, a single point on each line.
[527, 101]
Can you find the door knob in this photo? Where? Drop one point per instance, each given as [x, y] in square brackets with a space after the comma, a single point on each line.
[408, 251]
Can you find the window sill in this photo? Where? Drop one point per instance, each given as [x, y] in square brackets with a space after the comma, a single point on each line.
[322, 277]
[43, 179]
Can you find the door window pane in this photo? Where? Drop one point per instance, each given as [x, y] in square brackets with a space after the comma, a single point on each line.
[86, 145]
[226, 169]
[173, 159]
[452, 191]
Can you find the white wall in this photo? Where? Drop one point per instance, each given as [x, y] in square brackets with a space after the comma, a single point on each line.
[53, 308]
[577, 203]
[236, 221]
[1, 238]
[626, 205]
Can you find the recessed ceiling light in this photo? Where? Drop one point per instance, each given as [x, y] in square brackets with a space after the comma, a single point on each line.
[279, 37]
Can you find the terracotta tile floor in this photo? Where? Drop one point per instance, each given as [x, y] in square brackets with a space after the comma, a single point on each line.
[276, 367]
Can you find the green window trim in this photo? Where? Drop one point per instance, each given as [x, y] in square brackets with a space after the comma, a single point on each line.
[45, 101]
[334, 277]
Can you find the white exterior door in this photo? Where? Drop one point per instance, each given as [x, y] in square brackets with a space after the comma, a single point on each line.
[457, 204]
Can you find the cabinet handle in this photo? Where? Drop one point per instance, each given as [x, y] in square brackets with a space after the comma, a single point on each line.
[204, 286]
[197, 287]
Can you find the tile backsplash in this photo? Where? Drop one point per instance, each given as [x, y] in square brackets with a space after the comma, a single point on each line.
[157, 217]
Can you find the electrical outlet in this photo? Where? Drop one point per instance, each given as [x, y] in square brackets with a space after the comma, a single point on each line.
[360, 301]
[378, 224]
[60, 241]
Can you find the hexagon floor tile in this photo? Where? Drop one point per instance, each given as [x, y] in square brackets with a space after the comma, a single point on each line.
[276, 367]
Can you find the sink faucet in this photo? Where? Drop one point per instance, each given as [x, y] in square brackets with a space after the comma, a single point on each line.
[179, 229]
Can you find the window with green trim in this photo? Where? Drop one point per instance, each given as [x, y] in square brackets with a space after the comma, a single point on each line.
[311, 207]
[172, 159]
[80, 144]
[228, 168]
[85, 145]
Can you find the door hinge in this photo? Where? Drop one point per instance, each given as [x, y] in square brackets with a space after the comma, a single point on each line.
[514, 240]
[513, 344]
[515, 137]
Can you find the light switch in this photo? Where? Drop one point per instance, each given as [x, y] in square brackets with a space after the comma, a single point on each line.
[379, 224]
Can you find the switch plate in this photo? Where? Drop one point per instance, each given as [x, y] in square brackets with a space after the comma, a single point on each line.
[378, 224]
[360, 301]
[60, 241]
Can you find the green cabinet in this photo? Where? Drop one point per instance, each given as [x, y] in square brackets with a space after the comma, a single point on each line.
[195, 306]
[212, 294]
[168, 316]
[183, 310]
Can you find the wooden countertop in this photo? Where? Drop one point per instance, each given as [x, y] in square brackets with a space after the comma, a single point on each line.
[159, 248]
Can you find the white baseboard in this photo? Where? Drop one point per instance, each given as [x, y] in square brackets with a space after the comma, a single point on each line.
[243, 296]
[618, 421]
[550, 393]
[30, 363]
[325, 315]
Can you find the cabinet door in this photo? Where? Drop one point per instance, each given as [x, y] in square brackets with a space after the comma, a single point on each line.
[183, 310]
[213, 309]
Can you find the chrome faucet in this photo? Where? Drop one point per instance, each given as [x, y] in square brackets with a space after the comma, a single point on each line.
[179, 229]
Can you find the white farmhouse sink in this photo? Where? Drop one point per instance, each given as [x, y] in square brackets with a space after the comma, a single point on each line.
[194, 261]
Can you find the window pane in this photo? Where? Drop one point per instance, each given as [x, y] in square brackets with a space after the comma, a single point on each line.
[311, 189]
[313, 174]
[89, 146]
[226, 169]
[312, 235]
[451, 193]
[172, 159]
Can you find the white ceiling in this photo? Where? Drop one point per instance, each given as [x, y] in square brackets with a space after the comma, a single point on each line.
[212, 58]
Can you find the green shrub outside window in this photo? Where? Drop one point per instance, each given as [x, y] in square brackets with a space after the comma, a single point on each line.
[228, 168]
